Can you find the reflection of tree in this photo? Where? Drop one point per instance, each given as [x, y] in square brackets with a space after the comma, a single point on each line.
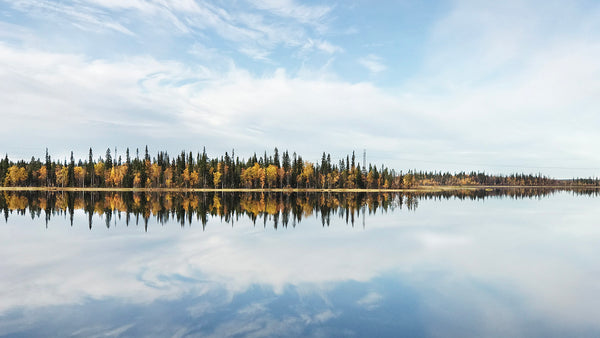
[279, 209]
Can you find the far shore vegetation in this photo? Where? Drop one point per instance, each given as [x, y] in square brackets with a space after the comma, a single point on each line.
[269, 172]
[261, 207]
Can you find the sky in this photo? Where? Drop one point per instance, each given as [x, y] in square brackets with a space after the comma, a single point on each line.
[501, 87]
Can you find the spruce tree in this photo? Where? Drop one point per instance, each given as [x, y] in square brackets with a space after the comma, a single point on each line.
[276, 158]
[48, 169]
[108, 160]
[90, 169]
[71, 172]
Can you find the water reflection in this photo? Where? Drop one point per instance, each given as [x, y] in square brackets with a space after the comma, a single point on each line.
[278, 209]
[472, 263]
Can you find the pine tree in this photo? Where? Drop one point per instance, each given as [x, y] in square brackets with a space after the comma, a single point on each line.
[90, 169]
[276, 158]
[108, 160]
[128, 178]
[71, 172]
[49, 171]
[286, 167]
[147, 156]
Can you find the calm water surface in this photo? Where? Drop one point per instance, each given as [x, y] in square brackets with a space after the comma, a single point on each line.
[500, 263]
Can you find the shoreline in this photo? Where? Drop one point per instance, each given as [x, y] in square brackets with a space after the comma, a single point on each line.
[292, 190]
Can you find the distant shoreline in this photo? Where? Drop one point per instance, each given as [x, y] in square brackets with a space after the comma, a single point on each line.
[290, 190]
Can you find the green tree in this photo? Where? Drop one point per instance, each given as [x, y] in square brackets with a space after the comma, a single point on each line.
[71, 172]
[108, 164]
[90, 169]
[49, 171]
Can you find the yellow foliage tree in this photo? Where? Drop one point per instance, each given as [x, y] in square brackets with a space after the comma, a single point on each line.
[153, 171]
[217, 178]
[116, 175]
[280, 176]
[79, 175]
[409, 180]
[186, 177]
[262, 177]
[370, 180]
[307, 174]
[62, 176]
[15, 176]
[99, 170]
[194, 178]
[137, 180]
[271, 175]
[42, 175]
[168, 176]
[217, 175]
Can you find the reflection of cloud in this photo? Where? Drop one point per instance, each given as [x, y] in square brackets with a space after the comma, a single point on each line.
[496, 259]
[253, 309]
[100, 331]
[115, 332]
[435, 241]
[101, 267]
[200, 309]
[323, 317]
[259, 327]
[265, 324]
[370, 301]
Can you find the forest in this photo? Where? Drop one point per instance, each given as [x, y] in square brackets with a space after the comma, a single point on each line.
[260, 207]
[269, 171]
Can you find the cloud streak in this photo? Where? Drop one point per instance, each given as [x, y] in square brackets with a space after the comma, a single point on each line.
[373, 63]
[253, 31]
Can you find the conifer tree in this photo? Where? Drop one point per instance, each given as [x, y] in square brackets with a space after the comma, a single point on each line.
[128, 178]
[90, 169]
[49, 171]
[108, 160]
[276, 158]
[147, 156]
[71, 172]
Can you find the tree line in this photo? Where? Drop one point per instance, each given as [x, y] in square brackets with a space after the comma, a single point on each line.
[269, 171]
[182, 207]
[277, 207]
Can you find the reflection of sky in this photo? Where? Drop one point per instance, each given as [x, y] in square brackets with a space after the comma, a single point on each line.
[497, 267]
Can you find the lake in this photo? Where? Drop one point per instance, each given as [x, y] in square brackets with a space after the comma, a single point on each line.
[498, 263]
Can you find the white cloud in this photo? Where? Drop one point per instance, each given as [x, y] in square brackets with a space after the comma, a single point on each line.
[83, 17]
[373, 63]
[290, 9]
[255, 53]
[252, 31]
[206, 53]
[63, 92]
[49, 95]
[500, 98]
[321, 45]
[520, 85]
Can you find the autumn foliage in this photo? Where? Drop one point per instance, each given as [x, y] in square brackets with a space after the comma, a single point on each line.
[266, 172]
